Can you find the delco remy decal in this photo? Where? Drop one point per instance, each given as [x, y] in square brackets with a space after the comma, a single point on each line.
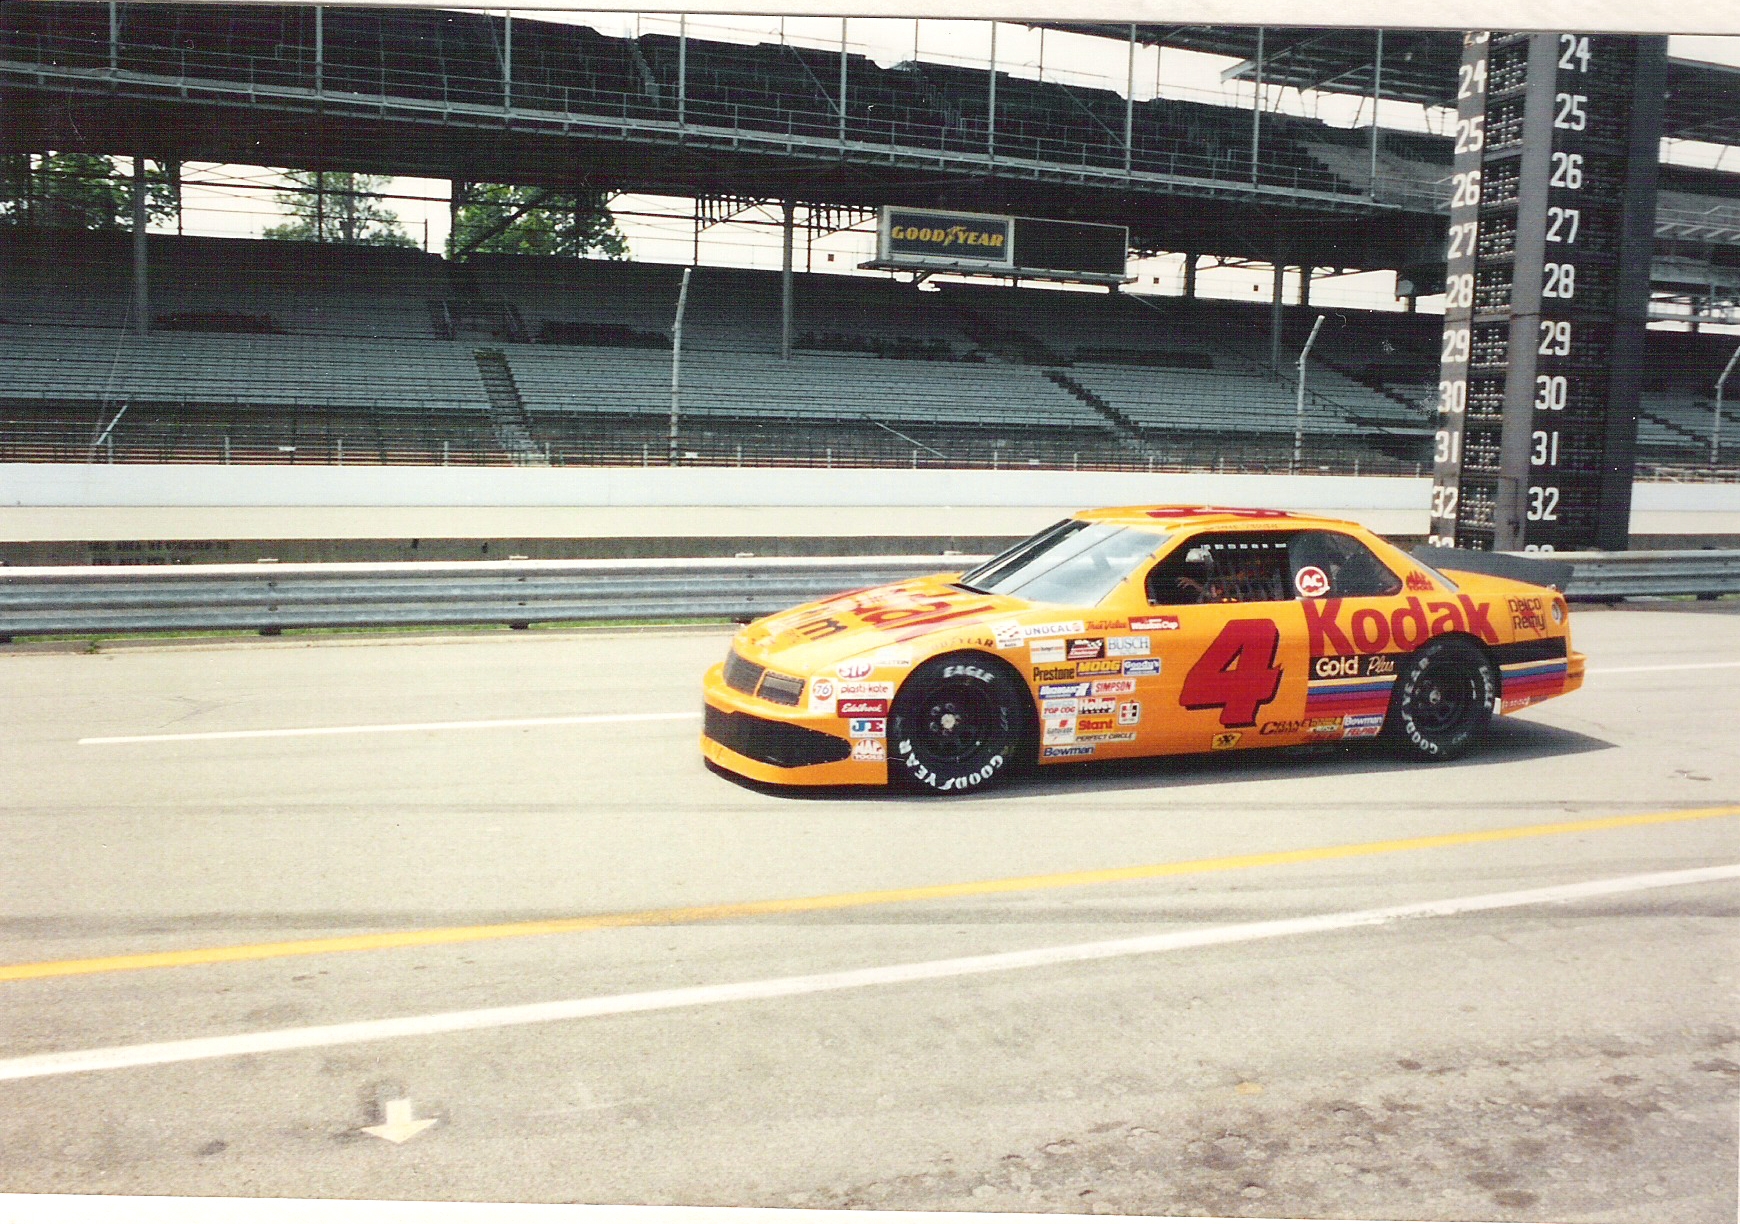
[1113, 688]
[1045, 650]
[1141, 667]
[1530, 614]
[1369, 631]
[1153, 624]
[1124, 647]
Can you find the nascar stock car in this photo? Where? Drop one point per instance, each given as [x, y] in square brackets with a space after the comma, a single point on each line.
[1138, 631]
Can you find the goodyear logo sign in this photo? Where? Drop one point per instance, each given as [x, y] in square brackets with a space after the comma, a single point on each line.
[921, 236]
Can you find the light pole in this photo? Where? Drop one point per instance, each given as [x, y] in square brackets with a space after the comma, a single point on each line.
[677, 364]
[1299, 405]
[1716, 415]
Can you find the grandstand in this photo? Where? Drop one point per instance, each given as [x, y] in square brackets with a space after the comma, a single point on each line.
[286, 352]
[266, 351]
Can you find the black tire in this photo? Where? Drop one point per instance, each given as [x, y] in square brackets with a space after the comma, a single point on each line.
[959, 723]
[1443, 700]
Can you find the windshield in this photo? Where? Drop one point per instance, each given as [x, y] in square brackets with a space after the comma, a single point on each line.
[1072, 562]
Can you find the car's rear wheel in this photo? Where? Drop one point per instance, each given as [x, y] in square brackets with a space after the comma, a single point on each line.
[959, 723]
[1443, 700]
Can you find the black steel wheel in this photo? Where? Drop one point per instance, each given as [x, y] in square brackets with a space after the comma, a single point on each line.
[1443, 699]
[959, 723]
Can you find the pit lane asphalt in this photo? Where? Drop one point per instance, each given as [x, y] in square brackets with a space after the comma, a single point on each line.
[1568, 1061]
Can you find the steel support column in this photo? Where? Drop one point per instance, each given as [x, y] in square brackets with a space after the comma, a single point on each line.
[1377, 87]
[1257, 110]
[141, 273]
[1130, 101]
[785, 283]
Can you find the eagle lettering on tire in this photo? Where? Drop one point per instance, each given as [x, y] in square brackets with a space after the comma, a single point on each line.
[957, 724]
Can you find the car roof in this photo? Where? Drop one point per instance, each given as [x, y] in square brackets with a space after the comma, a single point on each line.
[1174, 517]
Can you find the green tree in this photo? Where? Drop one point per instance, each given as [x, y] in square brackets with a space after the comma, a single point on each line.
[496, 219]
[79, 191]
[326, 206]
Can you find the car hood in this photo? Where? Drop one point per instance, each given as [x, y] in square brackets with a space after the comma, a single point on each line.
[820, 634]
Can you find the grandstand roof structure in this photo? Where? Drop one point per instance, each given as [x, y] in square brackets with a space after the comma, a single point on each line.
[1703, 100]
[475, 97]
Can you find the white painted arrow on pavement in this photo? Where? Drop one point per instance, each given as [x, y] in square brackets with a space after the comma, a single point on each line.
[402, 1122]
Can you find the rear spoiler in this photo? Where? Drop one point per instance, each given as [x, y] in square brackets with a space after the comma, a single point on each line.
[1533, 568]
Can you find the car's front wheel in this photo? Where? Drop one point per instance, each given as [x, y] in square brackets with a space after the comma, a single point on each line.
[1443, 699]
[958, 723]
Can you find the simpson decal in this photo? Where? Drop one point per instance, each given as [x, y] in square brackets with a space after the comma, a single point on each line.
[1124, 647]
[1098, 723]
[1113, 688]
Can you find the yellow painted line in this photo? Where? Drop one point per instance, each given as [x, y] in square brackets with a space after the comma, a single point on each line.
[803, 905]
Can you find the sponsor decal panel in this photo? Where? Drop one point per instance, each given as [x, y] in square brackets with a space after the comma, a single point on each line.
[1051, 692]
[1058, 721]
[821, 696]
[1104, 626]
[868, 728]
[1099, 667]
[854, 669]
[1099, 722]
[1129, 713]
[1311, 582]
[1350, 684]
[1141, 667]
[1114, 688]
[1052, 629]
[1086, 648]
[1099, 705]
[1367, 630]
[1361, 726]
[1007, 635]
[869, 750]
[1510, 705]
[1530, 614]
[1324, 726]
[1079, 750]
[1418, 581]
[1284, 726]
[862, 707]
[1153, 624]
[893, 656]
[1124, 647]
[1225, 740]
[865, 689]
[1047, 675]
[1046, 650]
[1106, 737]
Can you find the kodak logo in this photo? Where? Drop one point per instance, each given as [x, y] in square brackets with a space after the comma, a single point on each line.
[1369, 631]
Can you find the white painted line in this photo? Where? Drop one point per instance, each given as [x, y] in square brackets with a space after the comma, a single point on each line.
[114, 1058]
[1614, 671]
[483, 724]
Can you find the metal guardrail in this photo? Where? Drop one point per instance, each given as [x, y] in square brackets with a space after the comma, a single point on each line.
[134, 599]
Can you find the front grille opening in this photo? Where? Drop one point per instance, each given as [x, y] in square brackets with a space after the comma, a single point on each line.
[776, 743]
[741, 674]
[785, 690]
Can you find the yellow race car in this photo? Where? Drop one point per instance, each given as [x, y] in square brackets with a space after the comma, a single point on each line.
[1137, 631]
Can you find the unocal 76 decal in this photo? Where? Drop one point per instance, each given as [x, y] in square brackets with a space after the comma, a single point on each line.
[1236, 674]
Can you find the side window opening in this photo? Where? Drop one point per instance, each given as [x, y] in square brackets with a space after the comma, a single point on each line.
[1331, 565]
[1229, 567]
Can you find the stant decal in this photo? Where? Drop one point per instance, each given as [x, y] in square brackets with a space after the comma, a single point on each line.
[1154, 624]
[1099, 723]
[1311, 582]
[1124, 647]
[1141, 667]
